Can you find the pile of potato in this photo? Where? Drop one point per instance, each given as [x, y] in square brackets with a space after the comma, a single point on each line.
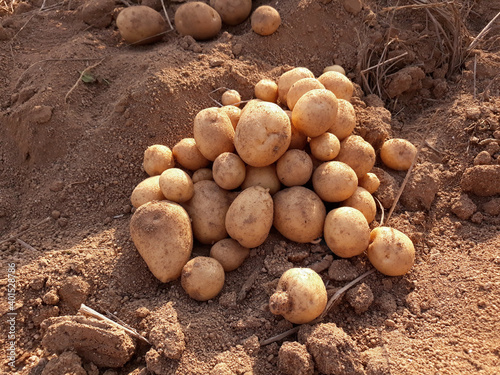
[275, 162]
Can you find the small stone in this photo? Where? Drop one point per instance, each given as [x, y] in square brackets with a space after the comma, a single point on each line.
[74, 291]
[51, 297]
[360, 298]
[215, 63]
[353, 6]
[390, 323]
[482, 180]
[477, 218]
[473, 113]
[237, 48]
[56, 186]
[62, 222]
[464, 207]
[142, 312]
[55, 214]
[483, 158]
[107, 220]
[492, 148]
[492, 207]
[41, 114]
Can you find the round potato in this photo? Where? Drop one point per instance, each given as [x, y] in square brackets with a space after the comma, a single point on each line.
[233, 113]
[363, 201]
[266, 90]
[294, 168]
[250, 104]
[334, 68]
[265, 20]
[299, 139]
[346, 232]
[202, 278]
[229, 253]
[197, 19]
[141, 25]
[263, 134]
[398, 154]
[157, 158]
[345, 122]
[176, 185]
[326, 147]
[202, 174]
[188, 155]
[232, 12]
[287, 79]
[250, 217]
[146, 191]
[390, 251]
[213, 132]
[315, 112]
[337, 83]
[231, 97]
[161, 232]
[358, 154]
[228, 171]
[334, 181]
[262, 176]
[299, 88]
[299, 214]
[369, 182]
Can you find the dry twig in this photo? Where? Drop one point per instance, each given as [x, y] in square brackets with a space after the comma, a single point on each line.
[85, 71]
[25, 245]
[25, 231]
[166, 14]
[483, 32]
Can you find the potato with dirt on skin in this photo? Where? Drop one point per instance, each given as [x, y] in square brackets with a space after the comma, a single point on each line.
[265, 20]
[161, 232]
[358, 154]
[300, 296]
[369, 182]
[202, 278]
[141, 25]
[299, 139]
[176, 185]
[299, 214]
[325, 147]
[229, 253]
[231, 97]
[334, 181]
[363, 201]
[233, 113]
[299, 88]
[288, 78]
[294, 168]
[213, 132]
[398, 154]
[188, 155]
[337, 83]
[228, 171]
[315, 112]
[197, 19]
[146, 191]
[266, 90]
[157, 158]
[262, 176]
[390, 251]
[202, 174]
[334, 68]
[232, 12]
[346, 232]
[345, 121]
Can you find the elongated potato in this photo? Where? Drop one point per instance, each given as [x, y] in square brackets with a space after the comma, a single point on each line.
[213, 132]
[287, 79]
[398, 154]
[188, 155]
[229, 253]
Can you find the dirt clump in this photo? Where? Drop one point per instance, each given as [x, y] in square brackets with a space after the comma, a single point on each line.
[360, 298]
[482, 180]
[294, 359]
[66, 363]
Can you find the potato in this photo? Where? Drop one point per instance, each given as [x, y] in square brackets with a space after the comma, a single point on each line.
[300, 296]
[233, 113]
[176, 185]
[250, 104]
[188, 155]
[346, 232]
[202, 174]
[141, 25]
[299, 139]
[287, 79]
[315, 112]
[337, 83]
[369, 182]
[231, 97]
[262, 176]
[263, 134]
[334, 181]
[213, 132]
[207, 209]
[346, 120]
[294, 168]
[146, 191]
[362, 201]
[229, 253]
[390, 251]
[250, 217]
[202, 278]
[398, 154]
[358, 154]
[299, 214]
[232, 12]
[334, 68]
[265, 20]
[228, 171]
[157, 158]
[197, 19]
[161, 232]
[325, 147]
[266, 90]
[299, 88]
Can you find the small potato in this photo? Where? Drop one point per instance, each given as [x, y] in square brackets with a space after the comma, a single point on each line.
[141, 25]
[229, 253]
[299, 139]
[337, 83]
[157, 158]
[300, 296]
[262, 176]
[232, 12]
[197, 19]
[250, 217]
[287, 79]
[147, 191]
[231, 97]
[228, 171]
[202, 174]
[334, 68]
[346, 232]
[294, 168]
[202, 278]
[299, 88]
[213, 132]
[390, 251]
[265, 20]
[188, 155]
[363, 201]
[398, 154]
[266, 90]
[370, 182]
[315, 112]
[176, 185]
[299, 214]
[334, 181]
[346, 120]
[358, 154]
[233, 113]
[326, 147]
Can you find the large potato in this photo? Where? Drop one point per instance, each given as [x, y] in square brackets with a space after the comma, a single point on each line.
[250, 217]
[202, 278]
[398, 154]
[228, 171]
[315, 112]
[262, 176]
[146, 191]
[161, 232]
[334, 181]
[141, 25]
[287, 79]
[337, 83]
[363, 201]
[299, 214]
[213, 132]
[197, 19]
[265, 20]
[229, 253]
[345, 122]
[176, 185]
[188, 155]
[358, 154]
[294, 168]
[232, 12]
[263, 134]
[299, 88]
[157, 158]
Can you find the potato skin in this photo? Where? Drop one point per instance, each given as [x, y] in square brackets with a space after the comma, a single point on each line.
[232, 12]
[176, 185]
[315, 112]
[398, 154]
[266, 90]
[228, 171]
[345, 121]
[358, 154]
[140, 25]
[337, 83]
[188, 155]
[157, 158]
[262, 176]
[229, 253]
[161, 232]
[287, 79]
[299, 88]
[363, 201]
[369, 182]
[334, 181]
[213, 132]
[294, 168]
[326, 147]
[146, 191]
[197, 19]
[202, 174]
[265, 20]
[202, 278]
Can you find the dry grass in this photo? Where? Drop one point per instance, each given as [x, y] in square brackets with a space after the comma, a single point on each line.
[6, 6]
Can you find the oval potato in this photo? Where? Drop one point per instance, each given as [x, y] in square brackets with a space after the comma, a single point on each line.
[266, 90]
[294, 168]
[315, 112]
[213, 132]
[398, 154]
[146, 191]
[188, 155]
[299, 88]
[345, 122]
[157, 158]
[363, 201]
[228, 171]
[358, 154]
[197, 19]
[176, 185]
[334, 181]
[326, 147]
[288, 78]
[232, 12]
[229, 253]
[337, 83]
[262, 176]
[141, 25]
[265, 20]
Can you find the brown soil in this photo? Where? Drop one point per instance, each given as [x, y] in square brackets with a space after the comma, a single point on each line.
[76, 158]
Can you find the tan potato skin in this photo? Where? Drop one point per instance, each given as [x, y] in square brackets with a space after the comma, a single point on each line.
[337, 83]
[358, 154]
[157, 158]
[345, 122]
[176, 185]
[161, 232]
[213, 132]
[266, 90]
[202, 278]
[202, 174]
[146, 191]
[265, 20]
[231, 97]
[197, 19]
[294, 168]
[229, 253]
[299, 139]
[141, 25]
[363, 201]
[398, 154]
[233, 113]
[188, 155]
[299, 88]
[287, 79]
[232, 12]
[370, 182]
[326, 147]
[315, 112]
[334, 181]
[262, 176]
[228, 171]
